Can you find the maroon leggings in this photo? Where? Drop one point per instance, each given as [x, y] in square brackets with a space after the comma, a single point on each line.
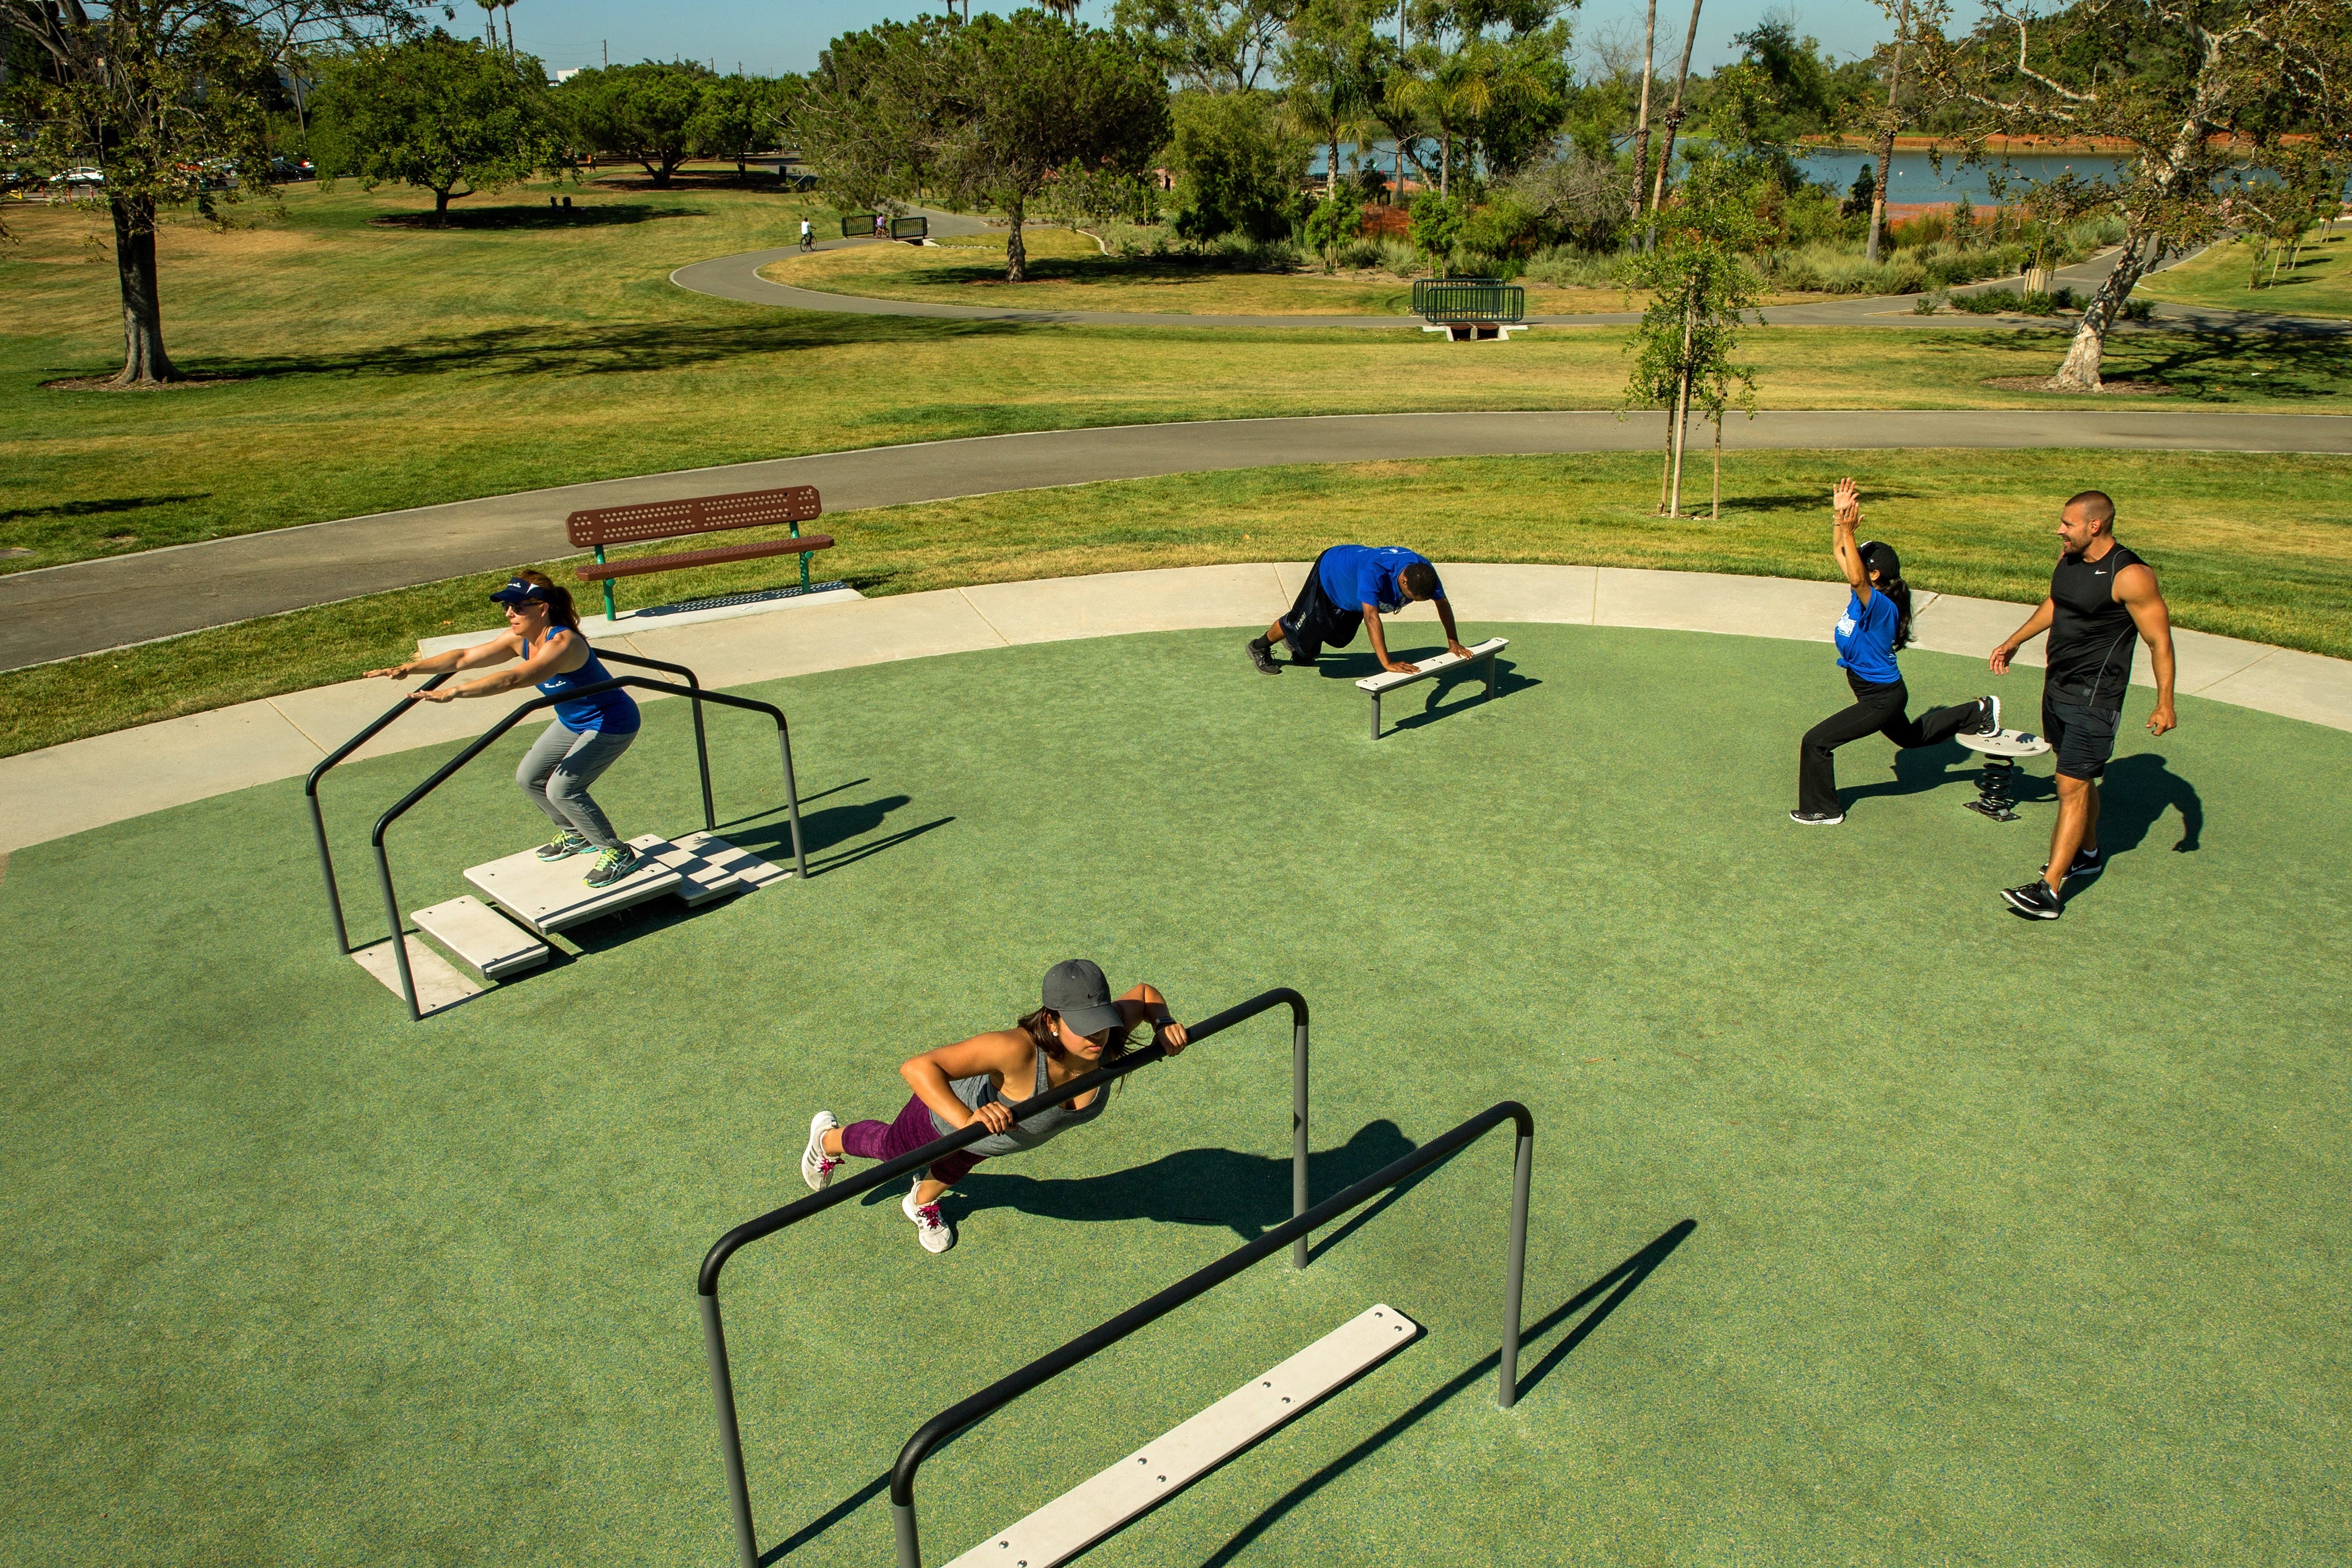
[914, 1128]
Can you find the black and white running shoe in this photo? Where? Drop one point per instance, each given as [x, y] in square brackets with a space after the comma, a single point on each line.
[2034, 900]
[2085, 863]
[1262, 656]
[1817, 818]
[1991, 722]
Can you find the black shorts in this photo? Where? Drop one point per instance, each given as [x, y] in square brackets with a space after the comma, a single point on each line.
[1315, 622]
[2082, 737]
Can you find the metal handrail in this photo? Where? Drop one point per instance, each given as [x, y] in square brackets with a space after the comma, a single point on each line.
[1052, 1365]
[714, 1327]
[319, 821]
[442, 776]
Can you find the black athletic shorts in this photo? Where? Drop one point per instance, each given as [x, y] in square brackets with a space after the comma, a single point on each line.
[1315, 621]
[2082, 737]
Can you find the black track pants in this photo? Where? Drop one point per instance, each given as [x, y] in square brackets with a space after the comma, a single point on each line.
[1878, 709]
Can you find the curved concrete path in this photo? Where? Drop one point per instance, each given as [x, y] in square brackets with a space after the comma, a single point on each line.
[59, 612]
[738, 278]
[87, 784]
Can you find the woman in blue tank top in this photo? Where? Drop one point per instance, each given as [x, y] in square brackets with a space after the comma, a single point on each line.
[589, 732]
[1874, 628]
[1079, 1028]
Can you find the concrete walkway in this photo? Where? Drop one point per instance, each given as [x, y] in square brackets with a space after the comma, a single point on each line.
[59, 612]
[87, 784]
[738, 278]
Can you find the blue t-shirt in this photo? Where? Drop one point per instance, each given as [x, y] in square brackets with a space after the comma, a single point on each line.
[1865, 638]
[1355, 576]
[610, 712]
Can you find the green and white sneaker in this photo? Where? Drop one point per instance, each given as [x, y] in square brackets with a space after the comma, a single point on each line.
[612, 865]
[563, 845]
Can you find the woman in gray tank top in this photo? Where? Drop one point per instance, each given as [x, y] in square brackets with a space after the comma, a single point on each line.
[1079, 1027]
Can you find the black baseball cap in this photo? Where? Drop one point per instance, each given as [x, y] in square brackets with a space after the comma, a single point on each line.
[1076, 990]
[1880, 557]
[518, 592]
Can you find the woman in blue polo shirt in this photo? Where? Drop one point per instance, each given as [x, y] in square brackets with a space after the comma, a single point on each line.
[589, 733]
[1875, 626]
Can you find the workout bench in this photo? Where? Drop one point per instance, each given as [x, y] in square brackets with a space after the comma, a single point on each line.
[606, 526]
[1388, 680]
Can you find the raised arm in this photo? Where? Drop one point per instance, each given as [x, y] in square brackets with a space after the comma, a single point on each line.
[498, 650]
[555, 656]
[2135, 586]
[1845, 513]
[1145, 1005]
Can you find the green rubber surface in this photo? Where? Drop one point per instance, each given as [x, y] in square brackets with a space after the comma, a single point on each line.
[2015, 1243]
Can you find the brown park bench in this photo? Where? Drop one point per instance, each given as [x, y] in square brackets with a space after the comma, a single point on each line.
[613, 525]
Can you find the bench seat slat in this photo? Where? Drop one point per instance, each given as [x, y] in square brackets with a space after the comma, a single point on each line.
[1388, 680]
[648, 521]
[642, 564]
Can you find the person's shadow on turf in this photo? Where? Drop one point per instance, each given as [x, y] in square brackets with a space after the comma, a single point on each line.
[1247, 1194]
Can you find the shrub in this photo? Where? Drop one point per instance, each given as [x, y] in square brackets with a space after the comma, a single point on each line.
[1361, 253]
[2140, 309]
[1332, 223]
[1436, 227]
[1567, 267]
[1236, 170]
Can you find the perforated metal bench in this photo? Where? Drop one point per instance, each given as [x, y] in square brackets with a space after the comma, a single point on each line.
[606, 527]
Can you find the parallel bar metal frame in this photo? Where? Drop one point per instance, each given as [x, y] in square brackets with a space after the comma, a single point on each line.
[1052, 1365]
[636, 682]
[714, 1327]
[319, 821]
[1488, 657]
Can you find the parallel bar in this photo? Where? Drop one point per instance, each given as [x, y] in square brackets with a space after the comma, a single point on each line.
[1171, 1462]
[319, 821]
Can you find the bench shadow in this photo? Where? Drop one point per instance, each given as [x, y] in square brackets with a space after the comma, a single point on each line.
[1358, 665]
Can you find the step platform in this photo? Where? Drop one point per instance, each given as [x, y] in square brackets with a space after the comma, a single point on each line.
[439, 982]
[1164, 1467]
[548, 897]
[480, 938]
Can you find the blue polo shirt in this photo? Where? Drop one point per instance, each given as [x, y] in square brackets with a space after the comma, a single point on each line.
[1355, 576]
[1865, 638]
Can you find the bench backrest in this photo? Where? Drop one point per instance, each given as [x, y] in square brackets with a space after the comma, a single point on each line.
[697, 514]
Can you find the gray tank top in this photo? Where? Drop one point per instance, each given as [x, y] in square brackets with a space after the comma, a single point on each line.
[1046, 1124]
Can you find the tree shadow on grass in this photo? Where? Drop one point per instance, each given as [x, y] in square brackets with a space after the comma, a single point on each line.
[1797, 501]
[2301, 360]
[603, 214]
[105, 507]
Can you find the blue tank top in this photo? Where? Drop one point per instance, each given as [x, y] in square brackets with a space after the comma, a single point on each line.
[610, 712]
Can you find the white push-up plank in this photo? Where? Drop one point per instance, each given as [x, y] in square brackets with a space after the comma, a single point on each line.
[439, 983]
[740, 864]
[481, 937]
[1096, 1507]
[1389, 679]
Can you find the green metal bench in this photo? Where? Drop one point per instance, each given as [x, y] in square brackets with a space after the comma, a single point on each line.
[1470, 310]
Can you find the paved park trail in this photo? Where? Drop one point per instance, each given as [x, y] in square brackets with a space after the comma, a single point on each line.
[60, 612]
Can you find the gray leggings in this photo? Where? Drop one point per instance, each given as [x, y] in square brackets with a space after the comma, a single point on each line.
[557, 771]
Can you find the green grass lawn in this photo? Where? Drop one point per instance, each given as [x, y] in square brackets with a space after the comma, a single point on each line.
[362, 366]
[2014, 1244]
[2319, 285]
[1977, 524]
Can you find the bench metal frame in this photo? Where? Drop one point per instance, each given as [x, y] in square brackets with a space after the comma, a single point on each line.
[1398, 683]
[1052, 1365]
[714, 1327]
[1461, 301]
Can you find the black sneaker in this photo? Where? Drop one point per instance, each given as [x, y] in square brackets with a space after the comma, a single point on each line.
[1262, 656]
[2034, 900]
[2087, 863]
[1818, 818]
[1298, 654]
[1991, 722]
[611, 866]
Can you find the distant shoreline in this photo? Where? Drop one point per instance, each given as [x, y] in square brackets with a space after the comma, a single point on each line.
[2105, 146]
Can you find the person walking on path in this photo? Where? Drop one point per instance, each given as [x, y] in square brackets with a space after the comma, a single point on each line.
[1352, 585]
[1075, 1029]
[2102, 599]
[1875, 627]
[588, 734]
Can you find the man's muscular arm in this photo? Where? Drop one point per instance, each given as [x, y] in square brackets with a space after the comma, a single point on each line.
[2135, 586]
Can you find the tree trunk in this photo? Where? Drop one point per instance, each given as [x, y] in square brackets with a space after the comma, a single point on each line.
[1444, 164]
[1666, 466]
[1642, 121]
[1016, 254]
[1715, 508]
[1886, 140]
[1674, 118]
[2081, 371]
[1680, 412]
[1331, 180]
[441, 206]
[144, 361]
[1682, 440]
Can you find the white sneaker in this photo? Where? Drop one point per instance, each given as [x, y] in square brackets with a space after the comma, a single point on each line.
[931, 1227]
[817, 1166]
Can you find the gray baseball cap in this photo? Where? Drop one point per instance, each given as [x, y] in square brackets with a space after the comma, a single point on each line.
[1076, 990]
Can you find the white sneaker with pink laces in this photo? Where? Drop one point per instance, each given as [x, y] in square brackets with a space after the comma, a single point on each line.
[931, 1227]
[817, 1166]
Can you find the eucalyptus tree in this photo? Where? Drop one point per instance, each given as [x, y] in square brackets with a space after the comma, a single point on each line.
[651, 113]
[436, 113]
[1210, 45]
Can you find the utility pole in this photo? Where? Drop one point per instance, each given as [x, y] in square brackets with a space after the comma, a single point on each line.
[1886, 136]
[606, 44]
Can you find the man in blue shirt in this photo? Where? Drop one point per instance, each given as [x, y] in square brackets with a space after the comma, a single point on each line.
[1352, 585]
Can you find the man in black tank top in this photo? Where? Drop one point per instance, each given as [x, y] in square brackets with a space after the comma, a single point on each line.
[2103, 600]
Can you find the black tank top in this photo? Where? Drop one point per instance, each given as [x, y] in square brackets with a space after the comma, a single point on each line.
[2092, 635]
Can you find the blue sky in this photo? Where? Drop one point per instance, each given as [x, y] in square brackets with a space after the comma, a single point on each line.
[768, 37]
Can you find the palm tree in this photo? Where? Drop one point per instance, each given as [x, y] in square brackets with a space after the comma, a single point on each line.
[489, 21]
[1333, 83]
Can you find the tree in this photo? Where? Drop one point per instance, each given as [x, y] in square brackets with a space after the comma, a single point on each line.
[152, 90]
[988, 110]
[1212, 46]
[1890, 121]
[647, 113]
[436, 113]
[2201, 92]
[1333, 65]
[1435, 227]
[1490, 74]
[740, 115]
[1673, 124]
[1237, 168]
[1579, 194]
[1333, 223]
